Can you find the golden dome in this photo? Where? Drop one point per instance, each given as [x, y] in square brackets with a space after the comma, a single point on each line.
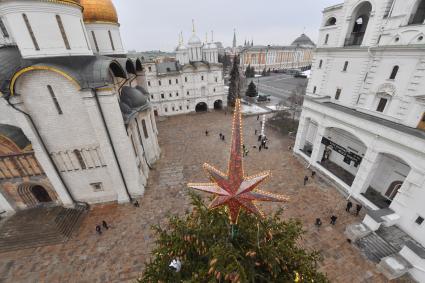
[99, 11]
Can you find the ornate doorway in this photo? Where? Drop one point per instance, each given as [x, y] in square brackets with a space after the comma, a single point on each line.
[41, 194]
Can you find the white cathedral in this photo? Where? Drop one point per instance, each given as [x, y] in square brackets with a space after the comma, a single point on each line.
[76, 125]
[193, 83]
[363, 124]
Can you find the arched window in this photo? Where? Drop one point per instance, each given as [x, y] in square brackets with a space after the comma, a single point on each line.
[394, 73]
[111, 40]
[145, 130]
[320, 64]
[62, 30]
[418, 15]
[30, 31]
[314, 89]
[359, 24]
[3, 29]
[331, 21]
[326, 38]
[393, 189]
[95, 41]
[345, 66]
[80, 159]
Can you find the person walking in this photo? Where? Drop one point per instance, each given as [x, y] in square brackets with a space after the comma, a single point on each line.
[221, 136]
[318, 222]
[313, 173]
[256, 131]
[206, 133]
[358, 208]
[349, 206]
[136, 203]
[305, 180]
[259, 148]
[98, 230]
[105, 225]
[333, 219]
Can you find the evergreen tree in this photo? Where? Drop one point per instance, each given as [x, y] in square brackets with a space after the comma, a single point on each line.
[234, 86]
[252, 90]
[263, 250]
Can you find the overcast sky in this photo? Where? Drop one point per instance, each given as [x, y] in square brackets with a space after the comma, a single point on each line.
[155, 24]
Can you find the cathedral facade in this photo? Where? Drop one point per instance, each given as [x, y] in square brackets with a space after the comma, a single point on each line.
[298, 55]
[363, 120]
[75, 126]
[194, 83]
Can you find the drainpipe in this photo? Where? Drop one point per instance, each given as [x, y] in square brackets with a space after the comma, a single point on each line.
[48, 154]
[110, 140]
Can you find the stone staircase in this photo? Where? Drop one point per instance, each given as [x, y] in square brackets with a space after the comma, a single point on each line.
[375, 248]
[39, 227]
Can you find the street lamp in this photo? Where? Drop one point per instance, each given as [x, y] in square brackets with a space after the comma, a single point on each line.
[265, 60]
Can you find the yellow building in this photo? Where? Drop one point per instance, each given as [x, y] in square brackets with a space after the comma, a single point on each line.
[296, 56]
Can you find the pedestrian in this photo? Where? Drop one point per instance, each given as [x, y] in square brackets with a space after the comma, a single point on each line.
[259, 148]
[220, 135]
[105, 225]
[358, 208]
[333, 219]
[313, 173]
[258, 117]
[256, 131]
[289, 148]
[305, 180]
[318, 222]
[136, 203]
[259, 138]
[206, 133]
[349, 206]
[98, 230]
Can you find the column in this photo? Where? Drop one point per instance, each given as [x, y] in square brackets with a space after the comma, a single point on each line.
[5, 206]
[301, 133]
[366, 172]
[316, 155]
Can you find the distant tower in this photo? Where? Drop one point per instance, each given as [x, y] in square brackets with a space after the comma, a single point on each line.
[234, 38]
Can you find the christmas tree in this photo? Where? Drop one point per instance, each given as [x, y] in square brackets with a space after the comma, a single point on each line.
[231, 240]
[262, 250]
[234, 86]
[252, 90]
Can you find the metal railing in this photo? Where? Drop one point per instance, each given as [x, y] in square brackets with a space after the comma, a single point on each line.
[354, 39]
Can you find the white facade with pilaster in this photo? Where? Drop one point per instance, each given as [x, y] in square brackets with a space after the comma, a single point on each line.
[363, 120]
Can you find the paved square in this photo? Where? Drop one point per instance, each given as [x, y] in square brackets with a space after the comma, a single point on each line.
[118, 255]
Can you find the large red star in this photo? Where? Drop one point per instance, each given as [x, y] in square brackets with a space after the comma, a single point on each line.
[233, 189]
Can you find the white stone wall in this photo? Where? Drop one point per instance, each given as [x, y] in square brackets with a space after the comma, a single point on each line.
[184, 95]
[42, 18]
[374, 169]
[101, 33]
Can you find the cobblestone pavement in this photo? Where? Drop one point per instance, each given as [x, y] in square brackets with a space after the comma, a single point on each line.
[118, 255]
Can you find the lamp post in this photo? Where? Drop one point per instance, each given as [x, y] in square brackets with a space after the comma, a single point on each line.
[265, 59]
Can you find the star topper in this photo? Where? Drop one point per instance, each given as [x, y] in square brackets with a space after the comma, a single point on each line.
[233, 189]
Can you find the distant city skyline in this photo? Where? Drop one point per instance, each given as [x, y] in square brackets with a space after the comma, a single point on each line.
[155, 25]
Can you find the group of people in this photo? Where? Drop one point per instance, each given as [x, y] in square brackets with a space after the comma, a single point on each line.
[350, 205]
[99, 227]
[263, 142]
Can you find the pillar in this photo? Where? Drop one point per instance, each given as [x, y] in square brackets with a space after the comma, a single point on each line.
[366, 172]
[301, 133]
[5, 206]
[316, 155]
